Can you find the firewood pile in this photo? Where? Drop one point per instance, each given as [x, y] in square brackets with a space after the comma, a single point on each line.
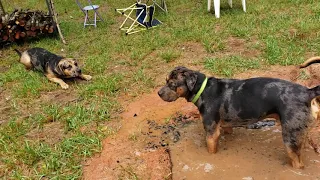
[23, 24]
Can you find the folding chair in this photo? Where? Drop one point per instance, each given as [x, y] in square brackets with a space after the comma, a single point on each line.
[86, 10]
[162, 5]
[142, 20]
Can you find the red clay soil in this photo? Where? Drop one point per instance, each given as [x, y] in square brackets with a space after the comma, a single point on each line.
[137, 152]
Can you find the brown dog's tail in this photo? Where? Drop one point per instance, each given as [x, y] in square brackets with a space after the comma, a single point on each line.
[19, 53]
[310, 61]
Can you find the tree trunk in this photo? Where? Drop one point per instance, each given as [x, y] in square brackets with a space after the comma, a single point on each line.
[2, 12]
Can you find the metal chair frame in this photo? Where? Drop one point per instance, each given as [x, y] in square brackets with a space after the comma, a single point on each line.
[138, 24]
[86, 10]
[162, 5]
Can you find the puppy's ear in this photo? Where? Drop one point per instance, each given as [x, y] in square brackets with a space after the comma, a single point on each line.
[191, 79]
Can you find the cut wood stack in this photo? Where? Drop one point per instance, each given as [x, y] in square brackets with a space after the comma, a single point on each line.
[22, 24]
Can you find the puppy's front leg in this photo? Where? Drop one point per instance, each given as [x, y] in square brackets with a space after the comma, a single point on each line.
[85, 77]
[58, 80]
[213, 134]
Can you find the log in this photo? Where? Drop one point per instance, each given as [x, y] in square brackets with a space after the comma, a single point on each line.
[23, 34]
[5, 37]
[17, 35]
[22, 24]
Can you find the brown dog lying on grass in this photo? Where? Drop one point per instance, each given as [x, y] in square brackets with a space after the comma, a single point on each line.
[227, 103]
[53, 66]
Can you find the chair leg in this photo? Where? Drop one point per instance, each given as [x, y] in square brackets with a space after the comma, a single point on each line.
[96, 11]
[216, 4]
[244, 5]
[95, 19]
[209, 5]
[85, 19]
[230, 3]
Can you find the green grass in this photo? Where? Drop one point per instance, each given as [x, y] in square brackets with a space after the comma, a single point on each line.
[169, 56]
[230, 65]
[282, 32]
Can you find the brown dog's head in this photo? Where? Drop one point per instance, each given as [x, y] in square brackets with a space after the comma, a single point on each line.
[69, 67]
[180, 83]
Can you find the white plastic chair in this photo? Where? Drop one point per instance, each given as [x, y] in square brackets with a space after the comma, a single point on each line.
[216, 4]
[86, 10]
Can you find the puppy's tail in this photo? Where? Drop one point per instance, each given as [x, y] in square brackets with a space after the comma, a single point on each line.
[19, 53]
[310, 61]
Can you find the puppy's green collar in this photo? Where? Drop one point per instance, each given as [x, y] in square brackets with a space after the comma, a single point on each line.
[204, 83]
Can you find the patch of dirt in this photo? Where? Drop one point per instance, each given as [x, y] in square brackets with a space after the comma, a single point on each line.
[51, 133]
[161, 140]
[3, 69]
[59, 96]
[236, 46]
[127, 154]
[5, 106]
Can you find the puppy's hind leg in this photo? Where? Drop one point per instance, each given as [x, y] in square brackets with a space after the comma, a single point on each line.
[294, 152]
[294, 136]
[25, 59]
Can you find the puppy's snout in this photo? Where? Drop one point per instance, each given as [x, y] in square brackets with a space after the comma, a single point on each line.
[79, 71]
[160, 93]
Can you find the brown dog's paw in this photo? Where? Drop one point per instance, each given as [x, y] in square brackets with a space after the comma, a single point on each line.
[64, 86]
[297, 165]
[86, 77]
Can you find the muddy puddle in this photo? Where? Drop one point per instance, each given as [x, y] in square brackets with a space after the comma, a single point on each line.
[160, 140]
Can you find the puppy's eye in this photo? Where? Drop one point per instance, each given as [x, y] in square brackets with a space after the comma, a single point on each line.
[172, 85]
[68, 67]
[76, 64]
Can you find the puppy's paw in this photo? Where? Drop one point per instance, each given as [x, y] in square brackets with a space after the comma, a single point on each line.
[64, 86]
[86, 77]
[297, 165]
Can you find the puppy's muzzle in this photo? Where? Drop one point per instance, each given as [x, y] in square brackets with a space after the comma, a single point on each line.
[76, 73]
[167, 94]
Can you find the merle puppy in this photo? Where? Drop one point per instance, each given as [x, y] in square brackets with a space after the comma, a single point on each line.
[227, 103]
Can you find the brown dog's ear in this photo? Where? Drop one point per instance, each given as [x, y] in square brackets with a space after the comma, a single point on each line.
[191, 79]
